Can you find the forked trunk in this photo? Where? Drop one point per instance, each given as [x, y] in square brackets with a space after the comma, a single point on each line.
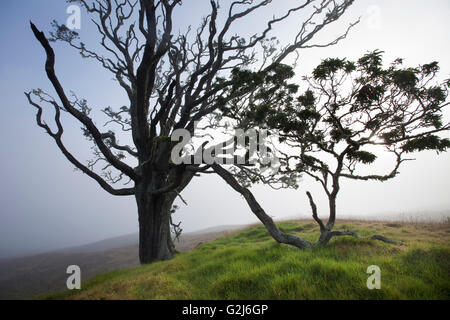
[326, 232]
[325, 237]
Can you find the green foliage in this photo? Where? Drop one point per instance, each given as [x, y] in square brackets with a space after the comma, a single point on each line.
[337, 134]
[362, 156]
[61, 32]
[391, 136]
[405, 79]
[327, 67]
[348, 106]
[369, 94]
[371, 63]
[434, 120]
[435, 94]
[308, 114]
[307, 99]
[390, 106]
[267, 88]
[430, 68]
[428, 142]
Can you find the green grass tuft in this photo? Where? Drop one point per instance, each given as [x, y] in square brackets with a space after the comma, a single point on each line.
[251, 265]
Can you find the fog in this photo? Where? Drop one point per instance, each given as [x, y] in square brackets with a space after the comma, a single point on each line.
[46, 205]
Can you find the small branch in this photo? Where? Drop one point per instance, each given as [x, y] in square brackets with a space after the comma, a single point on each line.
[181, 197]
[111, 136]
[57, 137]
[314, 211]
[176, 229]
[80, 116]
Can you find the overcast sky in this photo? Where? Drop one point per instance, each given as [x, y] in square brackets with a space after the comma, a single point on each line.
[46, 205]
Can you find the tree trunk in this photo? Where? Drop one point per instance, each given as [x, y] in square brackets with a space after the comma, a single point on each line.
[271, 227]
[325, 237]
[332, 207]
[326, 233]
[155, 241]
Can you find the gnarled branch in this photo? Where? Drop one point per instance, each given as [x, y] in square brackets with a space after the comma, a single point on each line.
[84, 119]
[57, 137]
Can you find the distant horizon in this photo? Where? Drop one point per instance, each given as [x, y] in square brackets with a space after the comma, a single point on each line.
[435, 216]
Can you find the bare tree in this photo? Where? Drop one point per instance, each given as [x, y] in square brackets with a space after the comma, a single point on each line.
[171, 82]
[351, 112]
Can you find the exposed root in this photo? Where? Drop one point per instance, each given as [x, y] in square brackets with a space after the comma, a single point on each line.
[374, 237]
[384, 239]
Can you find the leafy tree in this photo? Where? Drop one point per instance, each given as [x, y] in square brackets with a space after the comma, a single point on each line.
[171, 81]
[351, 112]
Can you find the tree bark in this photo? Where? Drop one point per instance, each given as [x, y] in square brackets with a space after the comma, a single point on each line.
[267, 221]
[155, 242]
[154, 212]
[326, 233]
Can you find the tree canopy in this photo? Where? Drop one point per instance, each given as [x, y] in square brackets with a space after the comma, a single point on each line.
[350, 113]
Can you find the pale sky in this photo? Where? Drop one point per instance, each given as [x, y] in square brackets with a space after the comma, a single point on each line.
[46, 205]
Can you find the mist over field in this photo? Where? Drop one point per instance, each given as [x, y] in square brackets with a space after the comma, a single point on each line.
[46, 205]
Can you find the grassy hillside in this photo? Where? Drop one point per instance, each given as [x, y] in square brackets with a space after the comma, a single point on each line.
[251, 265]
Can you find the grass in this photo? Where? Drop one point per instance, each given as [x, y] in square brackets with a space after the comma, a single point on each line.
[251, 265]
